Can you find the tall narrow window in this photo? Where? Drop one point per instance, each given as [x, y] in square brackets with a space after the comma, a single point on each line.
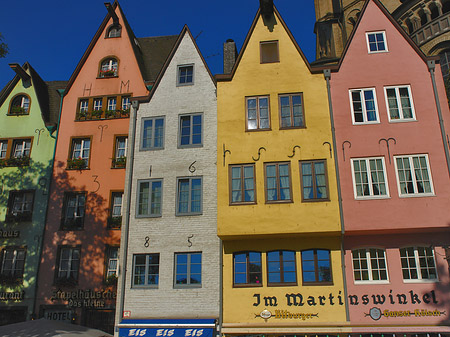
[120, 152]
[247, 269]
[3, 148]
[115, 216]
[364, 106]
[112, 102]
[98, 103]
[126, 103]
[191, 130]
[108, 68]
[189, 196]
[281, 267]
[278, 182]
[20, 206]
[152, 133]
[369, 265]
[399, 103]
[112, 264]
[84, 105]
[242, 180]
[291, 111]
[79, 157]
[146, 270]
[67, 265]
[149, 198]
[188, 270]
[369, 178]
[418, 264]
[314, 180]
[12, 264]
[257, 113]
[316, 267]
[413, 174]
[73, 210]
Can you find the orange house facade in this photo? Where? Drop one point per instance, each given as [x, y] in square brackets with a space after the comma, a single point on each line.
[79, 265]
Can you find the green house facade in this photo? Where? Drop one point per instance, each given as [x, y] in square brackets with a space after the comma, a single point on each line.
[29, 111]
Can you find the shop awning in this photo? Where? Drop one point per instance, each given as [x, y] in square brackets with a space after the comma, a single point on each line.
[167, 327]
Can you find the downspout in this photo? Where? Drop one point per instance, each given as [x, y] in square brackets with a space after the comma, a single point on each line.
[61, 93]
[126, 220]
[327, 75]
[431, 66]
[220, 290]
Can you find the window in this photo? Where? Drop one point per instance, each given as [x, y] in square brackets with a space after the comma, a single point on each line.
[188, 270]
[115, 217]
[108, 68]
[84, 105]
[12, 264]
[399, 103]
[316, 267]
[191, 130]
[20, 206]
[242, 184]
[21, 148]
[126, 103]
[112, 101]
[413, 175]
[15, 152]
[418, 263]
[185, 75]
[112, 264]
[114, 31]
[364, 106]
[95, 108]
[269, 52]
[291, 111]
[146, 270]
[67, 265]
[80, 151]
[189, 196]
[376, 42]
[369, 265]
[314, 180]
[278, 184]
[149, 198]
[152, 133]
[3, 148]
[369, 178]
[257, 113]
[281, 267]
[98, 102]
[73, 210]
[247, 269]
[120, 152]
[20, 105]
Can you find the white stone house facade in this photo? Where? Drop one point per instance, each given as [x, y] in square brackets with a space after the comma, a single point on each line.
[173, 252]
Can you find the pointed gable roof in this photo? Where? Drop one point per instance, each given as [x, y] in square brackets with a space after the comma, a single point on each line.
[183, 32]
[392, 21]
[229, 77]
[148, 51]
[46, 93]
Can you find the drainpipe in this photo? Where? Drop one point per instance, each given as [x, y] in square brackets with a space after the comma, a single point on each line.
[327, 75]
[431, 66]
[220, 289]
[61, 93]
[126, 220]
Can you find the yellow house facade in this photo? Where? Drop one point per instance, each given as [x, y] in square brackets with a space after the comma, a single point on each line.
[278, 210]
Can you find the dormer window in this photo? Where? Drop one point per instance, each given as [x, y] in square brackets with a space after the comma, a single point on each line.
[108, 68]
[20, 105]
[376, 42]
[114, 31]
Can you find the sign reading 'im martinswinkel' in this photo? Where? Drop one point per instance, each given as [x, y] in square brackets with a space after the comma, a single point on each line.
[167, 328]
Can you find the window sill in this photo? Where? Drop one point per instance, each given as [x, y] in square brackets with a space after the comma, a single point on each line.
[279, 202]
[373, 197]
[290, 284]
[18, 114]
[77, 169]
[143, 216]
[188, 214]
[402, 120]
[189, 146]
[417, 195]
[371, 282]
[106, 77]
[315, 284]
[421, 281]
[186, 286]
[256, 130]
[151, 148]
[142, 287]
[366, 123]
[247, 285]
[316, 200]
[292, 127]
[243, 203]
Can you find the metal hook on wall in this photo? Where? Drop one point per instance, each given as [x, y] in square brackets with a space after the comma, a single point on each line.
[259, 153]
[224, 154]
[343, 148]
[102, 127]
[38, 131]
[329, 145]
[293, 150]
[387, 145]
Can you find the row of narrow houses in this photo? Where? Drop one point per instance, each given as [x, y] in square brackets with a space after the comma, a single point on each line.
[147, 197]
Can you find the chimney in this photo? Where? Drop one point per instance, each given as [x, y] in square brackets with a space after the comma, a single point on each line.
[266, 8]
[229, 56]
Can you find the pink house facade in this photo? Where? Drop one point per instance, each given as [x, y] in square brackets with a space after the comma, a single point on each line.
[387, 99]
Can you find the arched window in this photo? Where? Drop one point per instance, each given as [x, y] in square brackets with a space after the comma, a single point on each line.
[423, 18]
[434, 11]
[409, 25]
[114, 31]
[20, 105]
[108, 68]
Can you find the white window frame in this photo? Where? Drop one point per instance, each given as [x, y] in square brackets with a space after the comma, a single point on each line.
[126, 102]
[384, 40]
[98, 103]
[70, 261]
[118, 148]
[150, 200]
[413, 176]
[69, 221]
[417, 267]
[399, 105]
[111, 104]
[363, 106]
[258, 113]
[369, 179]
[369, 267]
[3, 149]
[84, 105]
[25, 151]
[114, 204]
[112, 270]
[24, 199]
[14, 261]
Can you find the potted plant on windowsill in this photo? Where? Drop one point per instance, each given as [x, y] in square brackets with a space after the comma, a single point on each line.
[107, 73]
[120, 162]
[125, 112]
[111, 280]
[18, 110]
[18, 161]
[81, 115]
[110, 113]
[96, 114]
[76, 164]
[114, 222]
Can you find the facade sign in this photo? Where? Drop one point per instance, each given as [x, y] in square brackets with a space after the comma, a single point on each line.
[58, 315]
[5, 234]
[167, 328]
[376, 313]
[84, 298]
[12, 295]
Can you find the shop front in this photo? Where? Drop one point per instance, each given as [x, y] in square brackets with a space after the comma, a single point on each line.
[168, 327]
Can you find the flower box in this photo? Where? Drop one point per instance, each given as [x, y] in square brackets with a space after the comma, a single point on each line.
[15, 161]
[76, 164]
[107, 73]
[18, 110]
[119, 162]
[96, 114]
[111, 280]
[114, 222]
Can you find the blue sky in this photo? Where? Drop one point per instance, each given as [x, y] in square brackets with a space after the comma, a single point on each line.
[52, 35]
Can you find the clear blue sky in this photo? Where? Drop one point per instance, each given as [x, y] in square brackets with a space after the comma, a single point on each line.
[53, 35]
